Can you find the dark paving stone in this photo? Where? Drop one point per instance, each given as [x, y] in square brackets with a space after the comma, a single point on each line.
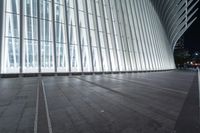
[17, 105]
[115, 103]
[188, 120]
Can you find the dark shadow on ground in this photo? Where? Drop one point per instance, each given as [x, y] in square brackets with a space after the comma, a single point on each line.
[188, 120]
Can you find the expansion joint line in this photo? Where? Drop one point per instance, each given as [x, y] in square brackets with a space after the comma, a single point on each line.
[42, 112]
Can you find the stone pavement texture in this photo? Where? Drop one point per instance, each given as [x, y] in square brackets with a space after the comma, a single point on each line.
[153, 102]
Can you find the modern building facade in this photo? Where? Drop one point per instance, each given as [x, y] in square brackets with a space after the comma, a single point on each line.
[61, 36]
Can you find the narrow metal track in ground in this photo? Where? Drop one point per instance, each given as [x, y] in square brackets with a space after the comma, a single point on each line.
[42, 123]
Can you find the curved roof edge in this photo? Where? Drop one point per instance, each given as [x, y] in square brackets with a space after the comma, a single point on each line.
[176, 16]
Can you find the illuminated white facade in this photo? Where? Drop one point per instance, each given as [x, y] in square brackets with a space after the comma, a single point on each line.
[58, 36]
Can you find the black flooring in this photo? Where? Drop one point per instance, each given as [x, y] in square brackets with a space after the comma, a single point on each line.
[161, 102]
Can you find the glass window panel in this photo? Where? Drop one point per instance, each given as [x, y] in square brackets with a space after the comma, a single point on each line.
[118, 43]
[13, 6]
[46, 30]
[59, 13]
[105, 60]
[60, 33]
[80, 5]
[83, 36]
[70, 3]
[71, 16]
[109, 41]
[98, 9]
[96, 59]
[61, 56]
[91, 21]
[89, 6]
[132, 60]
[30, 8]
[107, 26]
[72, 35]
[30, 56]
[61, 2]
[93, 38]
[45, 10]
[30, 28]
[47, 57]
[87, 67]
[75, 58]
[121, 61]
[106, 15]
[12, 56]
[101, 36]
[127, 61]
[115, 28]
[113, 60]
[99, 24]
[12, 25]
[82, 19]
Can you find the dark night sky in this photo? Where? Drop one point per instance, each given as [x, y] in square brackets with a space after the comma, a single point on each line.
[192, 35]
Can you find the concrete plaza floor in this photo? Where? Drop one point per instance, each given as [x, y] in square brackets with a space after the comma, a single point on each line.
[153, 102]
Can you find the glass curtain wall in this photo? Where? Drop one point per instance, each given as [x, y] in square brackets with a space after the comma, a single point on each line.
[50, 36]
[30, 41]
[11, 45]
[60, 36]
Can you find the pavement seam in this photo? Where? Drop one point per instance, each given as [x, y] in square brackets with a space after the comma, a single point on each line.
[36, 111]
[146, 84]
[47, 110]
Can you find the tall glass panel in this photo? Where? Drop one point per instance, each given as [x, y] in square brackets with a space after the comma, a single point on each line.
[96, 57]
[110, 35]
[30, 44]
[85, 49]
[73, 38]
[119, 47]
[46, 36]
[11, 47]
[102, 36]
[60, 37]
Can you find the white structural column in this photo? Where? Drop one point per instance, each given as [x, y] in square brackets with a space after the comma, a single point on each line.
[147, 34]
[144, 30]
[156, 39]
[97, 33]
[39, 43]
[118, 29]
[113, 38]
[157, 59]
[105, 37]
[54, 36]
[129, 37]
[67, 35]
[138, 32]
[21, 35]
[124, 37]
[160, 39]
[78, 36]
[89, 33]
[133, 22]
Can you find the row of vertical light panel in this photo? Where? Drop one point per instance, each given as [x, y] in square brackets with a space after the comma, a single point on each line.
[177, 16]
[44, 36]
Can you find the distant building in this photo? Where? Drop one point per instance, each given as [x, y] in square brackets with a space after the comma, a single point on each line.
[180, 44]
